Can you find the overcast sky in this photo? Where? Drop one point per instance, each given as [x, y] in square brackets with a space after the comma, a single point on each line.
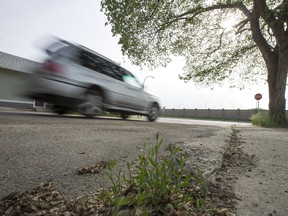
[26, 24]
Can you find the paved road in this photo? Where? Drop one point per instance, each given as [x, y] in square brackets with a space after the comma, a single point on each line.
[204, 122]
[38, 147]
[218, 123]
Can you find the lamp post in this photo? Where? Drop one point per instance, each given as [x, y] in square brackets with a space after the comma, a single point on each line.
[145, 80]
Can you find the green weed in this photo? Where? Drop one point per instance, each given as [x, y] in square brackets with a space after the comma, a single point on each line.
[156, 184]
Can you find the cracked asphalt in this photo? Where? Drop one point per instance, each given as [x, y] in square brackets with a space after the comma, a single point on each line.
[39, 147]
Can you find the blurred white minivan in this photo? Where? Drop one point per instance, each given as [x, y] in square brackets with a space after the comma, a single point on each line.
[74, 77]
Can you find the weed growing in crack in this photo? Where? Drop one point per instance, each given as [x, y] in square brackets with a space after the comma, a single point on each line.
[156, 185]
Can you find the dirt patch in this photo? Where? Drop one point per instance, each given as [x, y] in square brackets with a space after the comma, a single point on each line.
[94, 169]
[234, 163]
[47, 200]
[263, 190]
[227, 164]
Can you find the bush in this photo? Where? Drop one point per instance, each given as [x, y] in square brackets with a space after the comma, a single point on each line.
[263, 119]
[156, 185]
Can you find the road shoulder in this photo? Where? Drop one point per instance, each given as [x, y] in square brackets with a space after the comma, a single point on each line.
[263, 190]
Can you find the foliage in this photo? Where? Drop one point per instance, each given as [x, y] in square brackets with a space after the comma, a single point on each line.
[263, 119]
[157, 185]
[254, 45]
[150, 31]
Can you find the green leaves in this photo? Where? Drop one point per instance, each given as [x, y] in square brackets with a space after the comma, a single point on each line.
[157, 182]
[151, 31]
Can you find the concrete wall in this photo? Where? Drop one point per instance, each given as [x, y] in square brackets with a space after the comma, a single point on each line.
[12, 85]
[228, 114]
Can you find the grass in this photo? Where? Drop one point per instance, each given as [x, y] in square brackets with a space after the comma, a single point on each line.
[156, 185]
[265, 120]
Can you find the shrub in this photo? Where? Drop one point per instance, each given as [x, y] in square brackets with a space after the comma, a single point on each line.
[263, 119]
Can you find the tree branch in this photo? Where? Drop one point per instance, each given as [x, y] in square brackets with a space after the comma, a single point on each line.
[220, 43]
[269, 17]
[257, 34]
[243, 30]
[224, 63]
[192, 13]
[241, 25]
[198, 10]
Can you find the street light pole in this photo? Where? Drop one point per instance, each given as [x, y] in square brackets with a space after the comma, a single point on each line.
[145, 80]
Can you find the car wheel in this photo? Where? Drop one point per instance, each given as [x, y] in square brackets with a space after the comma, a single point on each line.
[153, 114]
[124, 116]
[92, 104]
[59, 109]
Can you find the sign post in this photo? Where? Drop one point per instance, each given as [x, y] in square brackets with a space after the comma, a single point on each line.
[257, 97]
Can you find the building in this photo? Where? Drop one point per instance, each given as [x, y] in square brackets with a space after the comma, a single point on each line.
[14, 73]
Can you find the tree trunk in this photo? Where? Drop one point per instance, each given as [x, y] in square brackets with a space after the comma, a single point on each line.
[277, 77]
[276, 58]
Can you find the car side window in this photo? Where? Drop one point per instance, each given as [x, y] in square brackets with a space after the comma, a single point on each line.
[66, 52]
[100, 65]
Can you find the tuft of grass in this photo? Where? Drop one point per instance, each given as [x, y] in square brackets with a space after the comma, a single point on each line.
[156, 185]
[263, 119]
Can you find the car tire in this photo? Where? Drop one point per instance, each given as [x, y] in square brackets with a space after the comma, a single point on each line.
[92, 104]
[153, 113]
[59, 109]
[124, 116]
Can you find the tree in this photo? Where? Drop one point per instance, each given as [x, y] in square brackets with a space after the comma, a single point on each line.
[257, 44]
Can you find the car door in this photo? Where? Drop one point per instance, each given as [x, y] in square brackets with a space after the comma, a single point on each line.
[134, 92]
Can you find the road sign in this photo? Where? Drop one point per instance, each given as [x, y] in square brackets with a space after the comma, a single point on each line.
[258, 96]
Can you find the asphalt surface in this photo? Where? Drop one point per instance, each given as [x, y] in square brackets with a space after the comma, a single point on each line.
[36, 147]
[40, 147]
[263, 190]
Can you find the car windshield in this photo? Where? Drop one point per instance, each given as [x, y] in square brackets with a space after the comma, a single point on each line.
[129, 79]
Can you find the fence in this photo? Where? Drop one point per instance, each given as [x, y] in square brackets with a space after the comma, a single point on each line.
[229, 114]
